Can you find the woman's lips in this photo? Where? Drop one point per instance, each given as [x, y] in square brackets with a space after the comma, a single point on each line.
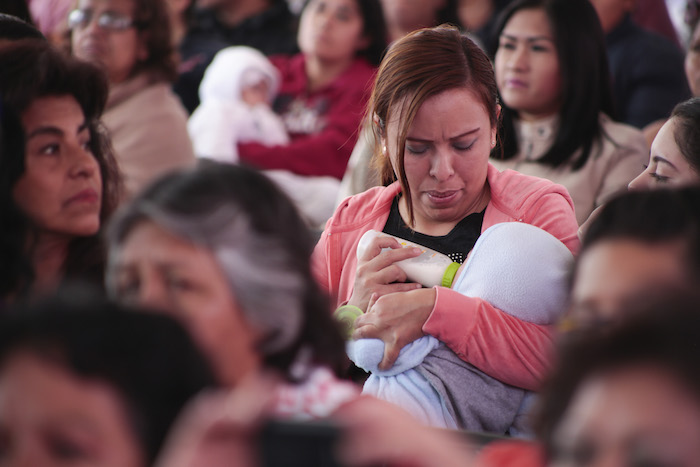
[87, 196]
[515, 83]
[442, 197]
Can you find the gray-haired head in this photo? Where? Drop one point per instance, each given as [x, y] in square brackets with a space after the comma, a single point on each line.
[261, 244]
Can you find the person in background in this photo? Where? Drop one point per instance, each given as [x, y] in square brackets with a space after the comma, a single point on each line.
[59, 181]
[131, 41]
[552, 74]
[84, 381]
[628, 396]
[237, 91]
[642, 241]
[223, 250]
[322, 97]
[646, 68]
[674, 159]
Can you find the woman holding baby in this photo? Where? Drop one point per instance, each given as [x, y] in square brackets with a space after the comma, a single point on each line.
[435, 112]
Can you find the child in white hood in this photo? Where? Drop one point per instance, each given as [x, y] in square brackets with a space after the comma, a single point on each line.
[235, 95]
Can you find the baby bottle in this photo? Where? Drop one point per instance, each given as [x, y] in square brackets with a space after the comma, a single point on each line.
[430, 268]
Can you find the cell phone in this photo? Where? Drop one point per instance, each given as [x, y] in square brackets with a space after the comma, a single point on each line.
[299, 444]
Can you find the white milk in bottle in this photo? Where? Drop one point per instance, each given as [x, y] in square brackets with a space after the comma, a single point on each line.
[430, 268]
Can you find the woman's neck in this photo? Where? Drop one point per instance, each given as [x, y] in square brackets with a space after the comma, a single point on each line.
[321, 73]
[48, 258]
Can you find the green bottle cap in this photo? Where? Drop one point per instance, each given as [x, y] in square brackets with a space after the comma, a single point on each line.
[346, 315]
[449, 275]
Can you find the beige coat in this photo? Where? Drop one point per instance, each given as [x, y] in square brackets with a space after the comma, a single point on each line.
[605, 174]
[148, 126]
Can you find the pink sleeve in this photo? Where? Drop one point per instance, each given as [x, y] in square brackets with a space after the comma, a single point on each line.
[319, 263]
[323, 153]
[512, 351]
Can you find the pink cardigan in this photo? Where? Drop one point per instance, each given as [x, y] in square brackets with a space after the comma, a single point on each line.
[510, 350]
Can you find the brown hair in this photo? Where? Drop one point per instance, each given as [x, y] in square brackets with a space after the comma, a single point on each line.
[418, 66]
[153, 23]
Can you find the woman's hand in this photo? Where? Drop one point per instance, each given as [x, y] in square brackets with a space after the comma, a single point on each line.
[219, 427]
[378, 275]
[397, 319]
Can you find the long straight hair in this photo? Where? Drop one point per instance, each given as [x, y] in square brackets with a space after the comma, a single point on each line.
[585, 77]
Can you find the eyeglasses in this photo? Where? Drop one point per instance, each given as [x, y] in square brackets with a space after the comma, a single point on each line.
[107, 20]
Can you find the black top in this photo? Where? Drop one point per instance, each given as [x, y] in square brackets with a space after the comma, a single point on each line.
[457, 244]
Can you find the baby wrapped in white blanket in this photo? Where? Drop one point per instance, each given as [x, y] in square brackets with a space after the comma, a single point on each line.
[521, 270]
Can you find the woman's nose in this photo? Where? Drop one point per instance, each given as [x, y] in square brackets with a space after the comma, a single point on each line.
[441, 167]
[518, 58]
[152, 294]
[84, 164]
[640, 182]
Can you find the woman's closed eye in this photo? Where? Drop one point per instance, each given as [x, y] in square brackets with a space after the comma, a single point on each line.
[464, 146]
[417, 148]
[659, 178]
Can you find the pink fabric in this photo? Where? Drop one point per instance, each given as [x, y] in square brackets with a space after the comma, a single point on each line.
[50, 15]
[510, 350]
[318, 397]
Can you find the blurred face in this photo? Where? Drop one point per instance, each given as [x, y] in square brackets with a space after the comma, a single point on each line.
[331, 30]
[692, 63]
[408, 15]
[640, 415]
[116, 49]
[52, 417]
[61, 188]
[667, 168]
[159, 270]
[445, 159]
[527, 67]
[612, 273]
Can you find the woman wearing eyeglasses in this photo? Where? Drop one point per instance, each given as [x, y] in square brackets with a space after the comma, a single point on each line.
[130, 40]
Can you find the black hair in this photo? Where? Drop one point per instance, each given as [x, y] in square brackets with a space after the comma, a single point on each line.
[585, 78]
[687, 134]
[147, 358]
[18, 9]
[31, 69]
[13, 28]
